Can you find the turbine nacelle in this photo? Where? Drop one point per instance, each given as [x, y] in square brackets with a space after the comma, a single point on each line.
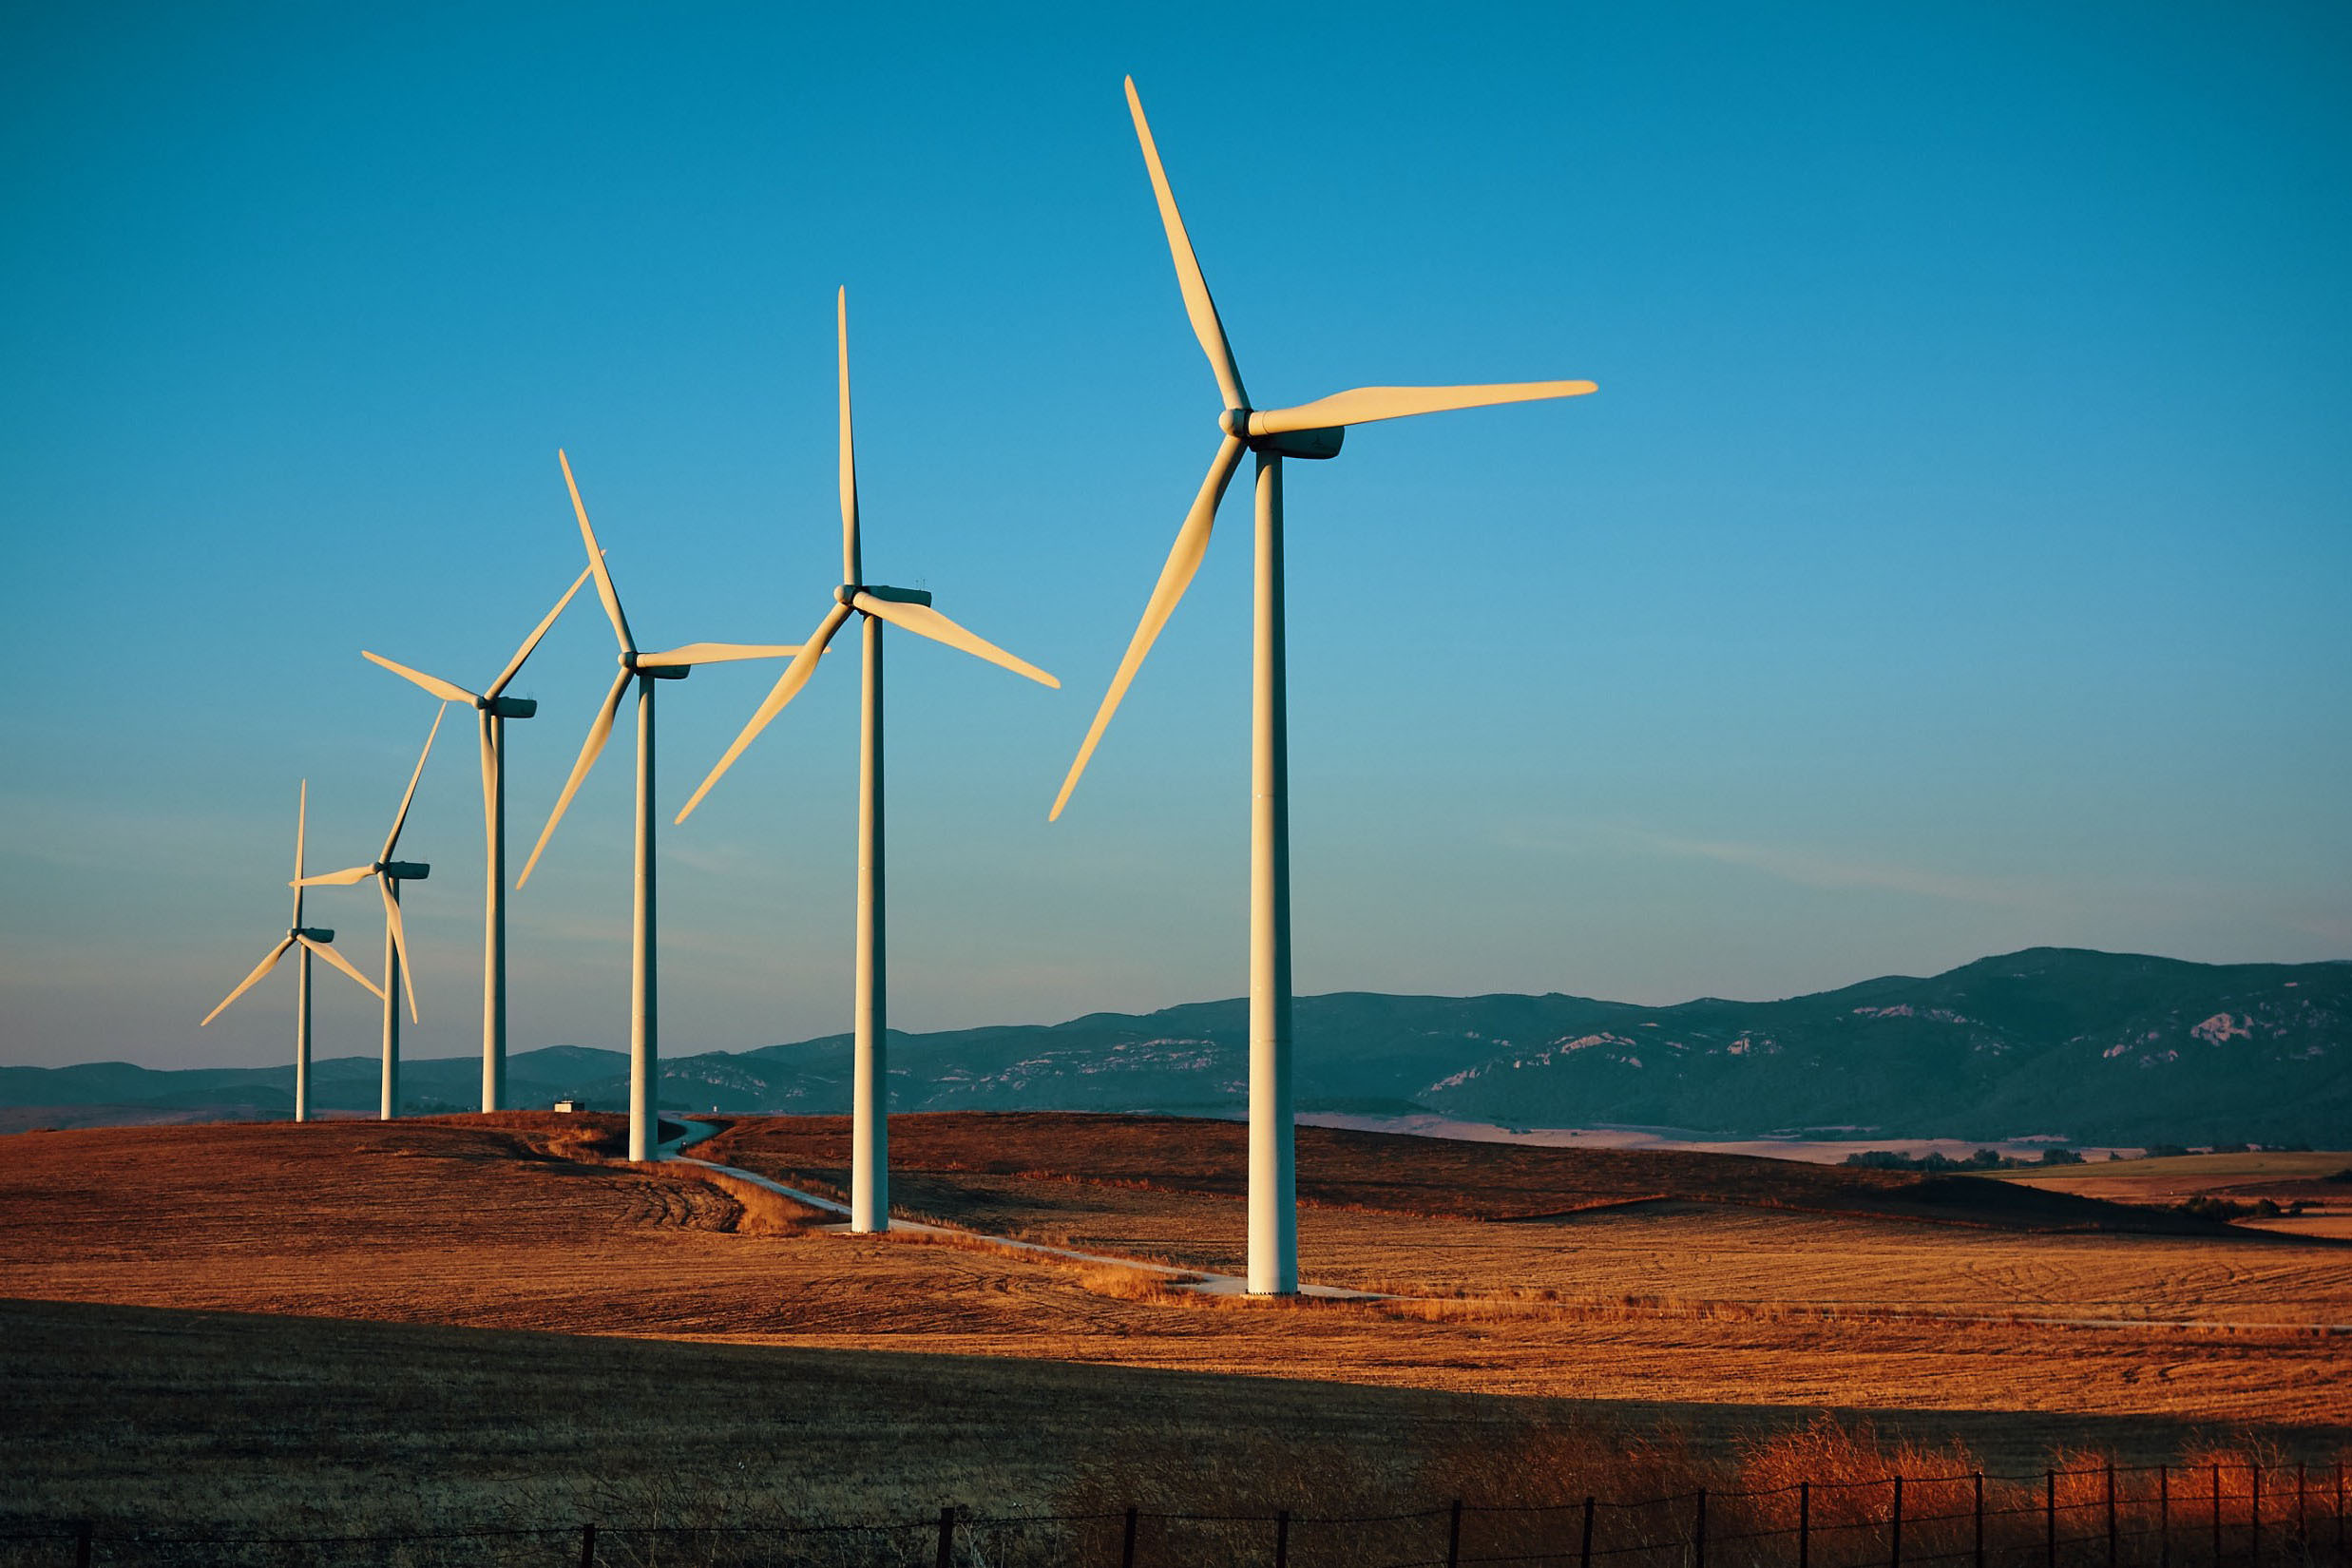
[644, 664]
[1248, 427]
[395, 870]
[847, 594]
[316, 934]
[510, 707]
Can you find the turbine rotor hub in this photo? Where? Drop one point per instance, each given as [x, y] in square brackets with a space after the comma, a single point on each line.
[1235, 422]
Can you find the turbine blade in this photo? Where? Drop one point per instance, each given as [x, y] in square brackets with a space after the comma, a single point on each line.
[400, 946]
[338, 879]
[787, 687]
[247, 984]
[1183, 561]
[489, 786]
[392, 839]
[604, 589]
[926, 621]
[1365, 404]
[302, 821]
[514, 666]
[448, 691]
[1206, 325]
[598, 733]
[849, 555]
[717, 653]
[326, 952]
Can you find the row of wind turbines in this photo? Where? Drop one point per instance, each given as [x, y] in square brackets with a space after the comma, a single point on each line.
[1310, 431]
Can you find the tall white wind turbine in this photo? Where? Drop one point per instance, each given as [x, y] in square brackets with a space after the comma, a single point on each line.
[1307, 430]
[388, 873]
[493, 708]
[643, 669]
[911, 611]
[311, 939]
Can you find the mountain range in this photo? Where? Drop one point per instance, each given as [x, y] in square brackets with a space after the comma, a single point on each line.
[2095, 1047]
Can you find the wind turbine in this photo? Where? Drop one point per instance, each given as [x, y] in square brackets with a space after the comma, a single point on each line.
[311, 939]
[388, 875]
[494, 708]
[1310, 430]
[910, 609]
[643, 669]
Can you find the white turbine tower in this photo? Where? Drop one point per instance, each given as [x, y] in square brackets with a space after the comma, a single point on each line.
[494, 708]
[910, 609]
[643, 669]
[311, 939]
[388, 875]
[1309, 430]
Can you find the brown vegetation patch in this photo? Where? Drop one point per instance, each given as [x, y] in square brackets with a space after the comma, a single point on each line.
[1393, 1174]
[189, 1423]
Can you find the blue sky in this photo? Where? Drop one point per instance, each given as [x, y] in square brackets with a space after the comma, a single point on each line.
[1954, 559]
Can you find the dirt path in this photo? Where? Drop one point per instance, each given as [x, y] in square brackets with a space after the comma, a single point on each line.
[1205, 1282]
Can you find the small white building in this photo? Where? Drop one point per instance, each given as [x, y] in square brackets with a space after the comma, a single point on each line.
[568, 1105]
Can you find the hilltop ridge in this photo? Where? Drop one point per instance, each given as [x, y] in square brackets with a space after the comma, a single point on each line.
[2099, 1048]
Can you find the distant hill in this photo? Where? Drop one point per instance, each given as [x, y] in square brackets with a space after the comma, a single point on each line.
[2099, 1048]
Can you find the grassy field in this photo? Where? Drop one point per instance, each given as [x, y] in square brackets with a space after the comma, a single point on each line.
[1597, 1293]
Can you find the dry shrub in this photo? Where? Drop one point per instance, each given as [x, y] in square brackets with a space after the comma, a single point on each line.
[1830, 1453]
[762, 1212]
[2231, 1467]
[1124, 1284]
[1849, 1470]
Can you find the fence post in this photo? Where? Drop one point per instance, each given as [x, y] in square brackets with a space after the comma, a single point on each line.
[587, 1546]
[1805, 1524]
[2164, 1516]
[1894, 1523]
[1282, 1539]
[1976, 1559]
[81, 1544]
[946, 1537]
[1698, 1533]
[2049, 1518]
[2340, 1511]
[2253, 1517]
[1585, 1552]
[2110, 1515]
[2303, 1526]
[2217, 1557]
[1453, 1536]
[1127, 1544]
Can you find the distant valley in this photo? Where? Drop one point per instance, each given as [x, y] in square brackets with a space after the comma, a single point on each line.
[2095, 1047]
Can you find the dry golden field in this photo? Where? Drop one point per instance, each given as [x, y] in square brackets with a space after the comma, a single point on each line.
[2320, 1182]
[1623, 1324]
[1723, 1289]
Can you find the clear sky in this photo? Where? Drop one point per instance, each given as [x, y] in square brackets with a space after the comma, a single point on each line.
[1956, 557]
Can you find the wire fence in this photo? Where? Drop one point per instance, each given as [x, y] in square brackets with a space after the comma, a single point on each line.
[2110, 1517]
